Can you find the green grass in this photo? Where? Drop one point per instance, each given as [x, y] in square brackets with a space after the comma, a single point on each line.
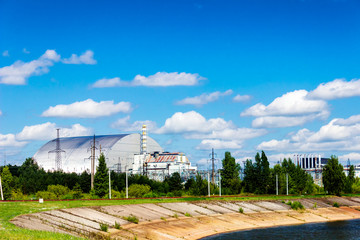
[9, 210]
[336, 204]
[104, 227]
[241, 210]
[132, 219]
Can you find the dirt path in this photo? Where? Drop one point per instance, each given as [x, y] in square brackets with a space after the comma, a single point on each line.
[186, 220]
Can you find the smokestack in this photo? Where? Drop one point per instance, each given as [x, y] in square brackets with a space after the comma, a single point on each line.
[143, 139]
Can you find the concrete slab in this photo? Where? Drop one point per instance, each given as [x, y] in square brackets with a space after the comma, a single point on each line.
[231, 206]
[215, 208]
[183, 207]
[273, 206]
[251, 206]
[94, 215]
[161, 210]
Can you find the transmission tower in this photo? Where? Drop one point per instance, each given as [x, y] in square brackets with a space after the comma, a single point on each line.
[57, 151]
[213, 166]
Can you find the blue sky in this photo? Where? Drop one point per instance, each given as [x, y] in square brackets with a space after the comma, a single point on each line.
[239, 76]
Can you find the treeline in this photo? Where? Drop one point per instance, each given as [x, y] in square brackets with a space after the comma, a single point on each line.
[29, 181]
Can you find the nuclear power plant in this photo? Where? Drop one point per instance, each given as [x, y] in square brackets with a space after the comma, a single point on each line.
[135, 153]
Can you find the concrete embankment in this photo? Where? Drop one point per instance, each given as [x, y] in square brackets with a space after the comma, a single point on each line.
[187, 220]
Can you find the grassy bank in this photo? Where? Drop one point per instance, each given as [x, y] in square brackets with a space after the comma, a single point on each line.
[9, 210]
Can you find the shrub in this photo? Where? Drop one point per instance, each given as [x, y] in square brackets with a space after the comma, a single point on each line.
[68, 196]
[104, 227]
[336, 204]
[117, 225]
[187, 214]
[77, 192]
[132, 219]
[137, 190]
[58, 190]
[170, 194]
[163, 218]
[295, 205]
[150, 195]
[315, 206]
[241, 210]
[46, 195]
[16, 194]
[175, 215]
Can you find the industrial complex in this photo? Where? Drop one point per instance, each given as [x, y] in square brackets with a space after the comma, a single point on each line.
[133, 153]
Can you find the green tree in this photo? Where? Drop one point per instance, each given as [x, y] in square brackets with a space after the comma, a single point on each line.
[230, 174]
[174, 182]
[6, 180]
[200, 186]
[101, 179]
[250, 176]
[32, 177]
[333, 176]
[350, 180]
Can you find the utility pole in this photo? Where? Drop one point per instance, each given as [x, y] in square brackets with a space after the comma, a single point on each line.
[277, 186]
[209, 184]
[126, 183]
[287, 184]
[93, 147]
[57, 152]
[219, 183]
[109, 185]
[2, 195]
[213, 167]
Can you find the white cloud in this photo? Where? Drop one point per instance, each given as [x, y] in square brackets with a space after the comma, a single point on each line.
[18, 72]
[85, 58]
[353, 156]
[47, 131]
[339, 88]
[218, 144]
[285, 121]
[9, 140]
[204, 98]
[192, 122]
[159, 79]
[25, 51]
[330, 137]
[0, 112]
[291, 109]
[241, 98]
[229, 134]
[87, 109]
[104, 83]
[349, 121]
[123, 124]
[5, 53]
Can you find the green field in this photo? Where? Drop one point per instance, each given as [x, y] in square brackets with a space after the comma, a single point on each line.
[9, 210]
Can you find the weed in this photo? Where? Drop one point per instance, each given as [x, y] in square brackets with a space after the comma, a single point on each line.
[187, 214]
[241, 210]
[283, 201]
[295, 205]
[175, 215]
[315, 206]
[104, 227]
[336, 204]
[132, 219]
[162, 218]
[117, 225]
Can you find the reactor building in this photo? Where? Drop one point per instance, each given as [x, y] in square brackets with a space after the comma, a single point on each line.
[134, 153]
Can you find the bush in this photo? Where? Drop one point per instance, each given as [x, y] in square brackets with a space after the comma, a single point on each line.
[187, 215]
[241, 210]
[137, 190]
[336, 205]
[46, 195]
[77, 192]
[68, 196]
[170, 194]
[16, 194]
[150, 195]
[104, 227]
[58, 190]
[295, 205]
[132, 219]
[117, 225]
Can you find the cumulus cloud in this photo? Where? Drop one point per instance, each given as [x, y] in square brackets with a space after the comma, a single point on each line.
[85, 58]
[215, 132]
[330, 137]
[204, 98]
[124, 124]
[339, 88]
[241, 98]
[218, 144]
[159, 79]
[353, 156]
[87, 109]
[19, 72]
[47, 131]
[192, 122]
[9, 140]
[291, 109]
[5, 53]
